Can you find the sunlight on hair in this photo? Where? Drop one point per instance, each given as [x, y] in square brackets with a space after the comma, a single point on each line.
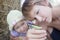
[55, 2]
[22, 1]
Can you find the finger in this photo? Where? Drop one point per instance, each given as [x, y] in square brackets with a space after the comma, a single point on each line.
[37, 31]
[36, 36]
[43, 38]
[38, 39]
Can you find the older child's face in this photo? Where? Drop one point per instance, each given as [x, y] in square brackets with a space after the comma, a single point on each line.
[41, 13]
[21, 26]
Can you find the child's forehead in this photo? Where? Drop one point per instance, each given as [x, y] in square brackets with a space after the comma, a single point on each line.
[40, 8]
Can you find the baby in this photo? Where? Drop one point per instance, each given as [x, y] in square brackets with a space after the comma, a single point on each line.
[17, 25]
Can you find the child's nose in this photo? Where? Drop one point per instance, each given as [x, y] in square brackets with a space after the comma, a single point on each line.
[38, 18]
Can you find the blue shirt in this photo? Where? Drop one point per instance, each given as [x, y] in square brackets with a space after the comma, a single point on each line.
[16, 34]
[55, 34]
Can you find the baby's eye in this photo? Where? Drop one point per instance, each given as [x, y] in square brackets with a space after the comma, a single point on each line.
[17, 27]
[22, 24]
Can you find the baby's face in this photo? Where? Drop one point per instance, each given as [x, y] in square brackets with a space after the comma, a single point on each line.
[41, 13]
[21, 26]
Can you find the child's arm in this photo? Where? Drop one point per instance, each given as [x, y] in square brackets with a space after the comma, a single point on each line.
[56, 11]
[56, 17]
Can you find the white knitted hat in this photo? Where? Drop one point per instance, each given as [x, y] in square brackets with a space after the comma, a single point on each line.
[13, 17]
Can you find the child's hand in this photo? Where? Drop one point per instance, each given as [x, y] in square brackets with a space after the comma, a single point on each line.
[35, 34]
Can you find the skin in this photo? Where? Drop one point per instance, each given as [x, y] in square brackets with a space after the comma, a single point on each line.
[44, 17]
[34, 34]
[55, 23]
[56, 16]
[33, 16]
[40, 15]
[21, 26]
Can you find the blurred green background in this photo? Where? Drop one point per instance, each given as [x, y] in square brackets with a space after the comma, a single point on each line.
[5, 7]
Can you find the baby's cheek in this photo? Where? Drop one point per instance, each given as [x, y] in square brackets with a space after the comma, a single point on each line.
[23, 29]
[17, 30]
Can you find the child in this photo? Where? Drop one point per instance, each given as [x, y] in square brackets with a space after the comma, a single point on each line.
[17, 25]
[36, 10]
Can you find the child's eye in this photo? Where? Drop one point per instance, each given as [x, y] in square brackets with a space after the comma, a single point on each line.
[37, 12]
